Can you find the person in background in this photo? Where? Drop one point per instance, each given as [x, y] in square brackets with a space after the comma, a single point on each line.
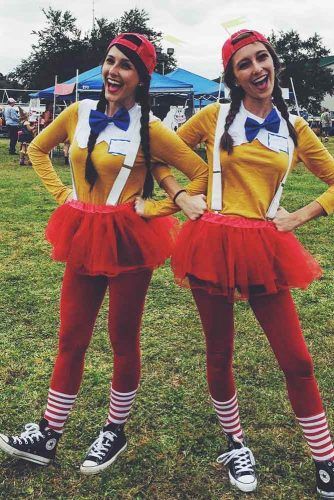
[26, 134]
[47, 115]
[2, 118]
[326, 123]
[12, 119]
[66, 149]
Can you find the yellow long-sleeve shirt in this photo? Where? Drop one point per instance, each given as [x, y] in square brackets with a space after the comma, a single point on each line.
[165, 146]
[252, 173]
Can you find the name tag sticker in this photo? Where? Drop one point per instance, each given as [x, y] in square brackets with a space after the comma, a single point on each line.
[278, 142]
[118, 147]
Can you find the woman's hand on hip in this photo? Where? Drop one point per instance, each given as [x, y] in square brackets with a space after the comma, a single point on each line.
[286, 221]
[192, 206]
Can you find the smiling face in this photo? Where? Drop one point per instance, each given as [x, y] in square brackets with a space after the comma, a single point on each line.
[254, 71]
[120, 79]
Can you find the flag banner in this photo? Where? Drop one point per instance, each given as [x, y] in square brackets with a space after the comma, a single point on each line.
[64, 88]
[233, 22]
[173, 39]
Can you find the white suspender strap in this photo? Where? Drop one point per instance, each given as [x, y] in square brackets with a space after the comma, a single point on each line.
[274, 205]
[125, 171]
[217, 186]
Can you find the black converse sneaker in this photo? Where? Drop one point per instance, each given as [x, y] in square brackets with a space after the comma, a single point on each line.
[325, 478]
[36, 444]
[105, 449]
[241, 462]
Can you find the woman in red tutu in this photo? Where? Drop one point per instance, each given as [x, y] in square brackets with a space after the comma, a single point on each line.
[115, 143]
[244, 248]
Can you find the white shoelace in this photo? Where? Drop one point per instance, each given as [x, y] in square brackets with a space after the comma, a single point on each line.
[32, 432]
[101, 444]
[244, 460]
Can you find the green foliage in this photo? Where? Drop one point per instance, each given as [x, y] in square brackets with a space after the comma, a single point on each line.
[61, 47]
[301, 60]
[136, 21]
[174, 436]
[98, 39]
[59, 51]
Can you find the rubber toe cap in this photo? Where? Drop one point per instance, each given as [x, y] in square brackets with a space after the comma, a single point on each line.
[89, 463]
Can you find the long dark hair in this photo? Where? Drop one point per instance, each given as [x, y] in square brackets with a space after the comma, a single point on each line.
[237, 94]
[142, 98]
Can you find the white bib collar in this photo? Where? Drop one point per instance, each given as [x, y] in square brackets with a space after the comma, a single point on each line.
[111, 132]
[268, 139]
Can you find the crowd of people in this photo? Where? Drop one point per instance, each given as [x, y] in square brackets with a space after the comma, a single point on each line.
[22, 126]
[238, 243]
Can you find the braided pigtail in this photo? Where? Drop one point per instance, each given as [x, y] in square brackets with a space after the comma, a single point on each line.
[282, 107]
[90, 172]
[237, 95]
[142, 97]
[226, 141]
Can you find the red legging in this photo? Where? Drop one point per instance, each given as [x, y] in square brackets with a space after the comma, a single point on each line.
[81, 299]
[278, 317]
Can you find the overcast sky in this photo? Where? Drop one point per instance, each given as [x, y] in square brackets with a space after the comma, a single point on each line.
[196, 22]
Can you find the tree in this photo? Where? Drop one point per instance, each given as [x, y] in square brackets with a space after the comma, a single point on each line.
[58, 50]
[98, 38]
[301, 60]
[5, 83]
[136, 21]
[61, 47]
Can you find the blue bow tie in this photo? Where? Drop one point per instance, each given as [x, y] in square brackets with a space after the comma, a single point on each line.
[271, 123]
[98, 121]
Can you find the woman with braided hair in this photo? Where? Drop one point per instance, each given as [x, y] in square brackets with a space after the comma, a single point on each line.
[115, 145]
[244, 248]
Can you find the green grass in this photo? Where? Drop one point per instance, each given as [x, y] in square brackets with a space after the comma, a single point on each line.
[173, 433]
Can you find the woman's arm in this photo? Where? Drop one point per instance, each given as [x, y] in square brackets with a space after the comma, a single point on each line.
[40, 147]
[318, 160]
[286, 221]
[168, 148]
[193, 206]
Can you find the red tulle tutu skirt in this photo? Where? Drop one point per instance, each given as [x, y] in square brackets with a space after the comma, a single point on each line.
[238, 257]
[108, 240]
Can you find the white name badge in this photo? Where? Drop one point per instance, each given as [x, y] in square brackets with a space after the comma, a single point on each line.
[278, 142]
[118, 147]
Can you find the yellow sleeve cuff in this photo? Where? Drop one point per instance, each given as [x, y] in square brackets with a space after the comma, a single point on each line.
[159, 208]
[326, 200]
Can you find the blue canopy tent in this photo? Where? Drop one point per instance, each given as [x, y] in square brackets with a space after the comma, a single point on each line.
[86, 75]
[160, 84]
[90, 83]
[205, 90]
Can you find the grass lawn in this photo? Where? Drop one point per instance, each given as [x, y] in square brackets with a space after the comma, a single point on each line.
[173, 434]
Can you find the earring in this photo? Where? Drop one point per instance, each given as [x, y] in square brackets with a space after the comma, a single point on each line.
[140, 85]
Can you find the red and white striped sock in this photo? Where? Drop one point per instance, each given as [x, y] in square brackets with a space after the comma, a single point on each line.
[228, 415]
[317, 436]
[58, 407]
[120, 406]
